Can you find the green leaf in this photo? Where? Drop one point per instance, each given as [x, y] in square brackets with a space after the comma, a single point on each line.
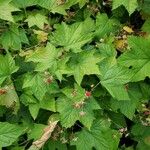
[36, 132]
[100, 136]
[34, 110]
[62, 68]
[146, 26]
[114, 78]
[142, 136]
[128, 107]
[82, 2]
[9, 133]
[17, 148]
[105, 26]
[145, 91]
[57, 6]
[145, 8]
[10, 98]
[24, 3]
[73, 36]
[138, 57]
[130, 5]
[117, 119]
[53, 145]
[84, 63]
[7, 67]
[75, 106]
[13, 38]
[46, 57]
[37, 84]
[6, 9]
[47, 103]
[36, 19]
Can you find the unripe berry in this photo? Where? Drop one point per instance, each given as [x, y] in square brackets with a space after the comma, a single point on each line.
[82, 113]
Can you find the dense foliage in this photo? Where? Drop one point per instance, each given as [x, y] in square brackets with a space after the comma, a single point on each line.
[74, 74]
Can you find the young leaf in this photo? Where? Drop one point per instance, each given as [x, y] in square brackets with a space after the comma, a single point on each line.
[41, 35]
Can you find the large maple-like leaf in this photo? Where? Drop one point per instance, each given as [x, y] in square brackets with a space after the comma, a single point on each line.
[128, 107]
[84, 63]
[45, 57]
[130, 5]
[73, 36]
[57, 6]
[113, 77]
[37, 84]
[138, 57]
[100, 137]
[105, 26]
[13, 38]
[24, 3]
[6, 9]
[75, 106]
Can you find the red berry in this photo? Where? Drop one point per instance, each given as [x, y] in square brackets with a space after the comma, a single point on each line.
[147, 112]
[49, 80]
[87, 93]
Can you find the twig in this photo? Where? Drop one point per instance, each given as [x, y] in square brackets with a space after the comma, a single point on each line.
[95, 86]
[38, 144]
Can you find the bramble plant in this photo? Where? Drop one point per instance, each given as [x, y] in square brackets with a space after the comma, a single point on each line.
[74, 74]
